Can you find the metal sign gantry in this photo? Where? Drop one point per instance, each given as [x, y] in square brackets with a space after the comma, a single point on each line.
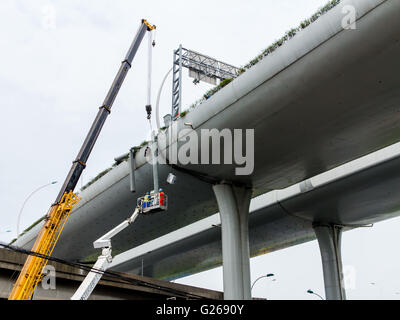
[201, 68]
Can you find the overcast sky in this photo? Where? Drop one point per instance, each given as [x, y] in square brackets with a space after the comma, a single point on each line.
[58, 59]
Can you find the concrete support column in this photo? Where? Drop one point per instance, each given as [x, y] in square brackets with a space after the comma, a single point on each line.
[329, 240]
[233, 203]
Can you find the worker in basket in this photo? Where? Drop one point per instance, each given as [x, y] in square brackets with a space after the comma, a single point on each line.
[162, 197]
[146, 200]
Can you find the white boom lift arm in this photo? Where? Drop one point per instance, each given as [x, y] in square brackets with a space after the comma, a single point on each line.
[152, 203]
[103, 261]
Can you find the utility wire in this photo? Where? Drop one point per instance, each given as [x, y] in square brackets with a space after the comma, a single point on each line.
[98, 271]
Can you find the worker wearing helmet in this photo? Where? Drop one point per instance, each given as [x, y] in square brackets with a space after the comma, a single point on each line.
[162, 197]
[146, 200]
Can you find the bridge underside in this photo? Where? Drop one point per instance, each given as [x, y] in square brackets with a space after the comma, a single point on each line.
[277, 220]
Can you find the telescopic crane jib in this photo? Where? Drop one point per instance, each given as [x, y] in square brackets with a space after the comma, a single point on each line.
[57, 216]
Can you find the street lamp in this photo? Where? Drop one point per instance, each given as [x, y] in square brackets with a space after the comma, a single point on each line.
[26, 200]
[158, 99]
[264, 276]
[312, 292]
[377, 285]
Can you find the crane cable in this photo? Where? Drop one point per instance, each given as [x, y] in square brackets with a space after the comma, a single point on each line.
[115, 277]
[151, 44]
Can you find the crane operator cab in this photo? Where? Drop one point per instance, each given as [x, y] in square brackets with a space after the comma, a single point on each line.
[152, 202]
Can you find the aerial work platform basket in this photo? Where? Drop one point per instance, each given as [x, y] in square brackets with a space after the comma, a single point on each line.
[152, 203]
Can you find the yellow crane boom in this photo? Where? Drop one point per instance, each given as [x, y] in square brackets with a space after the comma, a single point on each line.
[31, 273]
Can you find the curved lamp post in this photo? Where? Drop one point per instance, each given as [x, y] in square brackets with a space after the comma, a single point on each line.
[264, 276]
[26, 200]
[158, 99]
[316, 294]
[378, 286]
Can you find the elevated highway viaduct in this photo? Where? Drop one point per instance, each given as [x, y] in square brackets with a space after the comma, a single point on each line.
[325, 97]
